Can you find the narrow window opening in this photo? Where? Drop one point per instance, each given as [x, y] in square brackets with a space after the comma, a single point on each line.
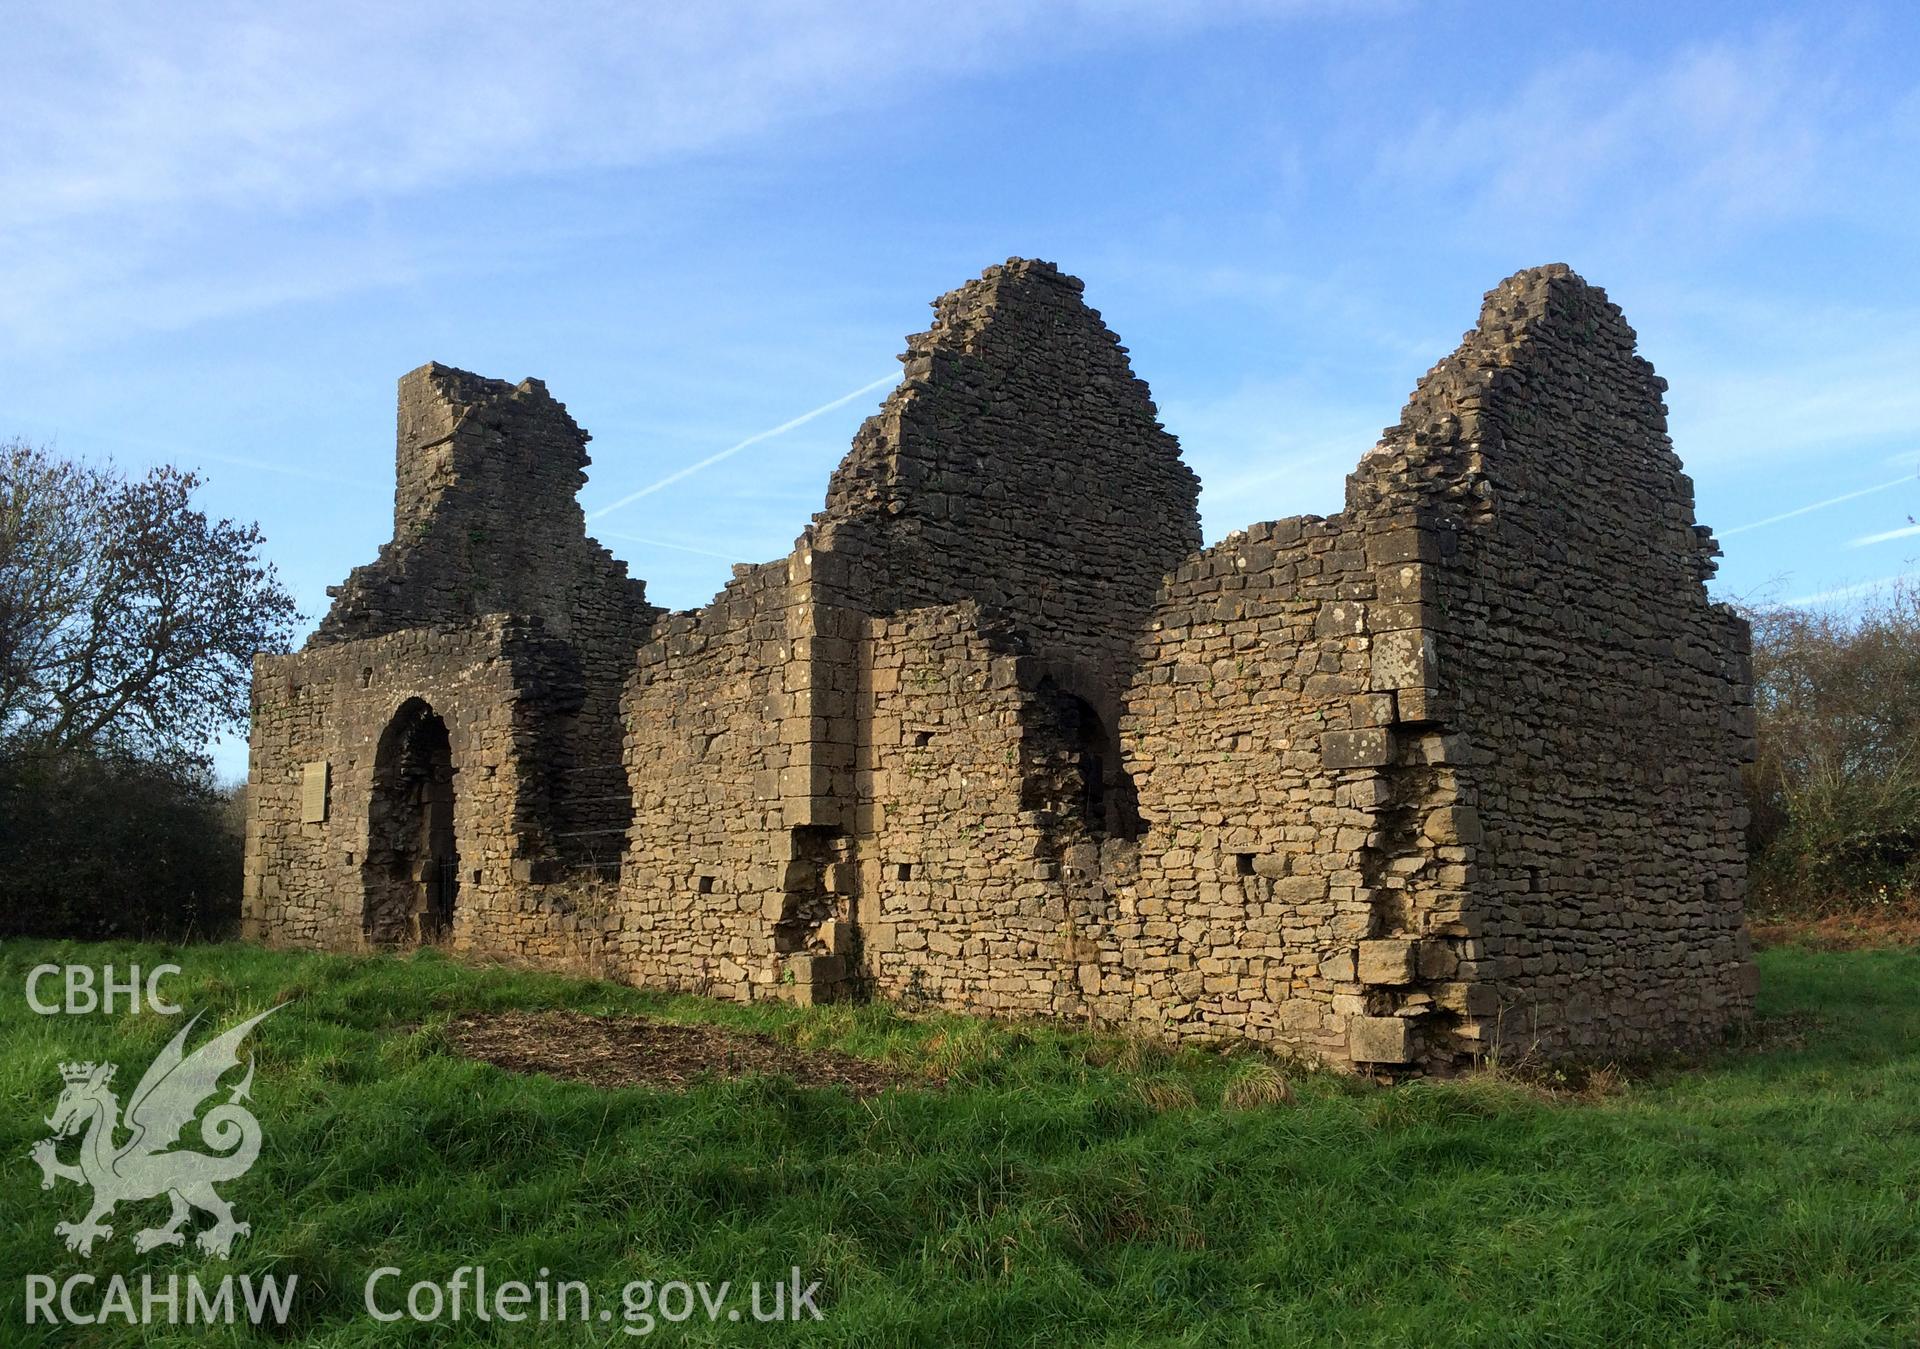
[1097, 789]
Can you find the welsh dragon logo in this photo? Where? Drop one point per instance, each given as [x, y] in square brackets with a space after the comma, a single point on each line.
[168, 1098]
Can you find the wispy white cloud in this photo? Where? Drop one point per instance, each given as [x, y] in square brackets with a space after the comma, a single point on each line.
[1849, 387]
[1743, 128]
[136, 138]
[288, 106]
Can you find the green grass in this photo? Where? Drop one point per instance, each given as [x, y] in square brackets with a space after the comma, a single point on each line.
[1064, 1188]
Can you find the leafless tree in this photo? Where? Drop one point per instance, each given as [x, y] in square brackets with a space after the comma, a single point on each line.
[1835, 788]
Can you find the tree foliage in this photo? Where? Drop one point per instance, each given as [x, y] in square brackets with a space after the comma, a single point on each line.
[128, 619]
[128, 624]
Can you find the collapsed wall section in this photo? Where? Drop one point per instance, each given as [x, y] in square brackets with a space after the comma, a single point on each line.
[485, 519]
[486, 522]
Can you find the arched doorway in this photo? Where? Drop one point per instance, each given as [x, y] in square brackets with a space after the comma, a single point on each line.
[412, 871]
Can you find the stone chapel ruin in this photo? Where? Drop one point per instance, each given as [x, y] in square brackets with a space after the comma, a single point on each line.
[1457, 767]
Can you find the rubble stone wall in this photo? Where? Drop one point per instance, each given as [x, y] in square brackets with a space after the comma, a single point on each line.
[959, 890]
[1455, 769]
[1020, 465]
[1603, 704]
[1298, 880]
[706, 759]
[485, 522]
[323, 712]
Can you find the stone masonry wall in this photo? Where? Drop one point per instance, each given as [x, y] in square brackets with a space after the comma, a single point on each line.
[1274, 730]
[1455, 769]
[706, 714]
[1019, 465]
[485, 521]
[329, 706]
[491, 604]
[484, 518]
[960, 893]
[1603, 704]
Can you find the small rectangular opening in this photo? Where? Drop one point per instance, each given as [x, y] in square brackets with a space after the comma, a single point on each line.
[903, 871]
[1243, 864]
[921, 739]
[703, 884]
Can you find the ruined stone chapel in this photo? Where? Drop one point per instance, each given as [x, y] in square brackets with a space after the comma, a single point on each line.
[1454, 768]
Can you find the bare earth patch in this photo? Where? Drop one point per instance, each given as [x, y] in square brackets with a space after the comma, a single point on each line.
[1856, 930]
[634, 1051]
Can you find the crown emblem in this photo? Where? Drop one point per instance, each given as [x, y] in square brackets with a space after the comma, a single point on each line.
[174, 1092]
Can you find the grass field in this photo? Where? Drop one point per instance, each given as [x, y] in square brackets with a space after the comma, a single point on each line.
[1062, 1187]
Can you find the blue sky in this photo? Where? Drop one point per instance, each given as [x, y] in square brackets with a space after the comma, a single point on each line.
[226, 230]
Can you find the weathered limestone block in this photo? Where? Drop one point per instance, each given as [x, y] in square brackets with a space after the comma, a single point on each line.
[1390, 960]
[1405, 658]
[1454, 824]
[1368, 748]
[1379, 1039]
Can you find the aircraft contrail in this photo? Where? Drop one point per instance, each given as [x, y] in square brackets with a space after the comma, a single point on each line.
[290, 470]
[732, 450]
[1816, 506]
[662, 543]
[1847, 592]
[1865, 539]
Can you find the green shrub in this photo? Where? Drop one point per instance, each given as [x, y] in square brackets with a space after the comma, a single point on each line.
[97, 846]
